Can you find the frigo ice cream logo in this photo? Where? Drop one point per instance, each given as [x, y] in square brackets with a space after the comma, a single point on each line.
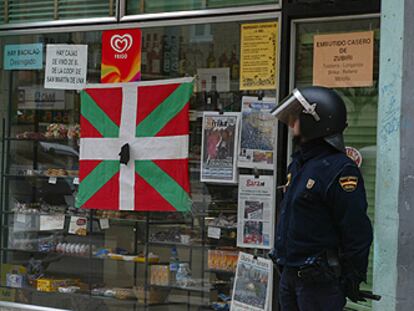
[121, 44]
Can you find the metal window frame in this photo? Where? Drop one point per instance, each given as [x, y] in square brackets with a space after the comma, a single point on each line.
[66, 22]
[120, 16]
[148, 24]
[20, 306]
[124, 17]
[292, 54]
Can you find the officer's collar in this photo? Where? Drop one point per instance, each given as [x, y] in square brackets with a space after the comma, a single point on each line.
[313, 148]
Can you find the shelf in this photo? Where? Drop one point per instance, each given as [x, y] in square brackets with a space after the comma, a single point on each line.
[79, 257]
[205, 289]
[46, 140]
[132, 302]
[223, 272]
[177, 244]
[11, 176]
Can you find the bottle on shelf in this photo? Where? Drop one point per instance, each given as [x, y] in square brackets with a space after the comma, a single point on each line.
[223, 60]
[174, 263]
[166, 55]
[211, 59]
[203, 95]
[175, 55]
[144, 54]
[234, 65]
[213, 96]
[156, 57]
[183, 276]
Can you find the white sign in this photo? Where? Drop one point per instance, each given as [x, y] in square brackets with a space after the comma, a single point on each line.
[104, 223]
[222, 75]
[256, 211]
[252, 289]
[66, 66]
[38, 98]
[52, 222]
[214, 233]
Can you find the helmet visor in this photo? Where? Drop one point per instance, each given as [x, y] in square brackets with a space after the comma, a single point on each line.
[292, 106]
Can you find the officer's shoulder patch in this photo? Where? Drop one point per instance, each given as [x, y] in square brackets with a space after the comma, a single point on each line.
[348, 183]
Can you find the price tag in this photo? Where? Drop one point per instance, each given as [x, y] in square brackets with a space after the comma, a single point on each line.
[52, 222]
[21, 218]
[214, 233]
[104, 223]
[76, 181]
[53, 180]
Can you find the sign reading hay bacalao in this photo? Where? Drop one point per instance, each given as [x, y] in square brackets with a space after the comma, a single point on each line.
[343, 60]
[66, 66]
[134, 146]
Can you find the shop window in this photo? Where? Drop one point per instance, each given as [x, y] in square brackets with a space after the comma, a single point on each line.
[156, 6]
[27, 11]
[62, 259]
[361, 103]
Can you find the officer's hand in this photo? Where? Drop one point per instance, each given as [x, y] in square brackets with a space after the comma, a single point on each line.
[272, 255]
[352, 289]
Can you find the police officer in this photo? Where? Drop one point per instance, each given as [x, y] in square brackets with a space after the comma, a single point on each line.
[323, 235]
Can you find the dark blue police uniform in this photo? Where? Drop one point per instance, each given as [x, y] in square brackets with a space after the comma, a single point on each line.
[323, 210]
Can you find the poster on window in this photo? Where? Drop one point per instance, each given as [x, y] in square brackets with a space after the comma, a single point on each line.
[252, 289]
[121, 55]
[258, 133]
[66, 66]
[219, 147]
[258, 56]
[255, 227]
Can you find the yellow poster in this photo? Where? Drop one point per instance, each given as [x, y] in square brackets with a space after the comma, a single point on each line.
[344, 59]
[258, 56]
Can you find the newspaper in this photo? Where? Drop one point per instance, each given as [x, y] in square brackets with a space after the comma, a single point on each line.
[256, 212]
[258, 133]
[219, 147]
[252, 289]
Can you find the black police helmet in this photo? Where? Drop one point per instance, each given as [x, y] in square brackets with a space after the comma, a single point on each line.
[332, 116]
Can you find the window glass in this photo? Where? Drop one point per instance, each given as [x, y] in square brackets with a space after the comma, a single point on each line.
[110, 267]
[155, 6]
[26, 11]
[361, 103]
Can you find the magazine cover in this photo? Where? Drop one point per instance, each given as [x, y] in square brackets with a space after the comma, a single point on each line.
[258, 133]
[252, 289]
[219, 141]
[255, 228]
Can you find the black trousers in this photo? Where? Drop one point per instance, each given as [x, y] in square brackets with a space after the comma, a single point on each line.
[298, 295]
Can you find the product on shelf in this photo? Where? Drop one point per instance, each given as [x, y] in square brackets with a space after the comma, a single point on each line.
[153, 295]
[30, 135]
[222, 260]
[160, 275]
[16, 279]
[224, 221]
[56, 172]
[75, 249]
[52, 284]
[53, 131]
[174, 235]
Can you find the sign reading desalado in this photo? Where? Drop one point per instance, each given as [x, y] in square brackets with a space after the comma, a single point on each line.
[344, 59]
[23, 56]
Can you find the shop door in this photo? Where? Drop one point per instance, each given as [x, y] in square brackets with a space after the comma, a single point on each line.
[361, 101]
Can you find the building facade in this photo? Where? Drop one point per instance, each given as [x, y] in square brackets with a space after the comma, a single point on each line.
[178, 39]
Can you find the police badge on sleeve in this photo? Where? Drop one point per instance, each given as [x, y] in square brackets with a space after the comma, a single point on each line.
[348, 183]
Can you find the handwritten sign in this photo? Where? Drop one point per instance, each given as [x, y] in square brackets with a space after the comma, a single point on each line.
[66, 66]
[258, 56]
[344, 60]
[23, 56]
